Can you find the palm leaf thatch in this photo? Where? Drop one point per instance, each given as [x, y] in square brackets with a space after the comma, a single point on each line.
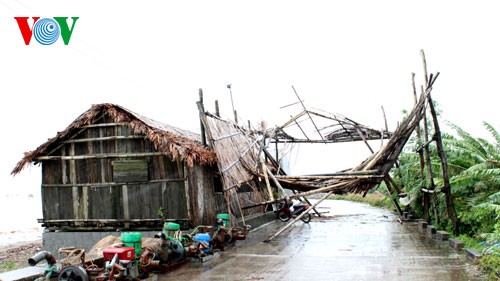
[238, 157]
[179, 144]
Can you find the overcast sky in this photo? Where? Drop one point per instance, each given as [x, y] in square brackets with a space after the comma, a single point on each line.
[348, 57]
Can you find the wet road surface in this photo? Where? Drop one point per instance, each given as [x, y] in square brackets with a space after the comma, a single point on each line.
[358, 242]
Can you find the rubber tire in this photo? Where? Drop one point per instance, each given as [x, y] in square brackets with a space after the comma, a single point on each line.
[283, 216]
[73, 273]
[306, 218]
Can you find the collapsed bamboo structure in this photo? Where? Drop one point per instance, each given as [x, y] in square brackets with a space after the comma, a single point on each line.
[336, 128]
[370, 172]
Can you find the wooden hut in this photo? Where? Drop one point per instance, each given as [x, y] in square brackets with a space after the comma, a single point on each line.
[113, 168]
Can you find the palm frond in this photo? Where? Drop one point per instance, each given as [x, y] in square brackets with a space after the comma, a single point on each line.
[494, 133]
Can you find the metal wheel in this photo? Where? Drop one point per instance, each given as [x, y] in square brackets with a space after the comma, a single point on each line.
[73, 273]
[306, 218]
[283, 216]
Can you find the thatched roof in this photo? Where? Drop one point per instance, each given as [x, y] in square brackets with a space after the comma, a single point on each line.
[237, 151]
[178, 143]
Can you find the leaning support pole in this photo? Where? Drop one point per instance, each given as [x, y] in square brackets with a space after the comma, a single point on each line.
[450, 207]
[390, 190]
[268, 185]
[297, 218]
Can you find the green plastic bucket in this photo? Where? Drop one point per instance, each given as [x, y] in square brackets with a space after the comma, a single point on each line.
[225, 218]
[171, 226]
[133, 239]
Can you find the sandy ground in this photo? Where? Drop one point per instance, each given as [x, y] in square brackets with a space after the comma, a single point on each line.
[16, 247]
[16, 255]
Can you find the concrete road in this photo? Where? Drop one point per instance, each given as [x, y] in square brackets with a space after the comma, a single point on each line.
[357, 242]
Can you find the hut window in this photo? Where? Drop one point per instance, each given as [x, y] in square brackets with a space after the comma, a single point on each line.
[130, 171]
[218, 184]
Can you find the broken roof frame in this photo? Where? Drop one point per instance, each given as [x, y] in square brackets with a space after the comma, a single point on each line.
[344, 129]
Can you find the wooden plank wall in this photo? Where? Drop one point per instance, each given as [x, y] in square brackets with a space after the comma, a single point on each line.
[85, 188]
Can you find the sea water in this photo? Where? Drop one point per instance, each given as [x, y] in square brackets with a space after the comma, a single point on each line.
[19, 211]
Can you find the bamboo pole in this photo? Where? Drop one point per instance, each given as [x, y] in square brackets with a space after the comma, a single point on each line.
[386, 126]
[308, 202]
[201, 108]
[450, 207]
[426, 197]
[428, 162]
[283, 190]
[319, 190]
[297, 218]
[276, 182]
[390, 190]
[298, 125]
[310, 117]
[286, 124]
[268, 185]
[363, 138]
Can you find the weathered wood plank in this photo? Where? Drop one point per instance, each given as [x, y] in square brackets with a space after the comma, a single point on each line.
[100, 125]
[93, 139]
[95, 156]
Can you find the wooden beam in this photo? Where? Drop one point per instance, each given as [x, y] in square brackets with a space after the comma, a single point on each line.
[105, 139]
[104, 125]
[98, 156]
[108, 184]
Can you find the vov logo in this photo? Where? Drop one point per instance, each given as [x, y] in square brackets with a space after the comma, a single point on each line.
[46, 31]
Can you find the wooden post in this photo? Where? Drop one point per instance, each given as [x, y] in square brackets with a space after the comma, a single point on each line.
[201, 108]
[450, 207]
[298, 218]
[217, 112]
[232, 103]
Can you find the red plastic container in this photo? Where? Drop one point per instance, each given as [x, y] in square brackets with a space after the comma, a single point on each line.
[124, 253]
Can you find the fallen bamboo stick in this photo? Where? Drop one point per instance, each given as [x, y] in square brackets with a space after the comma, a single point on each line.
[319, 190]
[307, 178]
[297, 218]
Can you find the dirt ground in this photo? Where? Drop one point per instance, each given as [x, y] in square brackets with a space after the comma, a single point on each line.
[16, 255]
